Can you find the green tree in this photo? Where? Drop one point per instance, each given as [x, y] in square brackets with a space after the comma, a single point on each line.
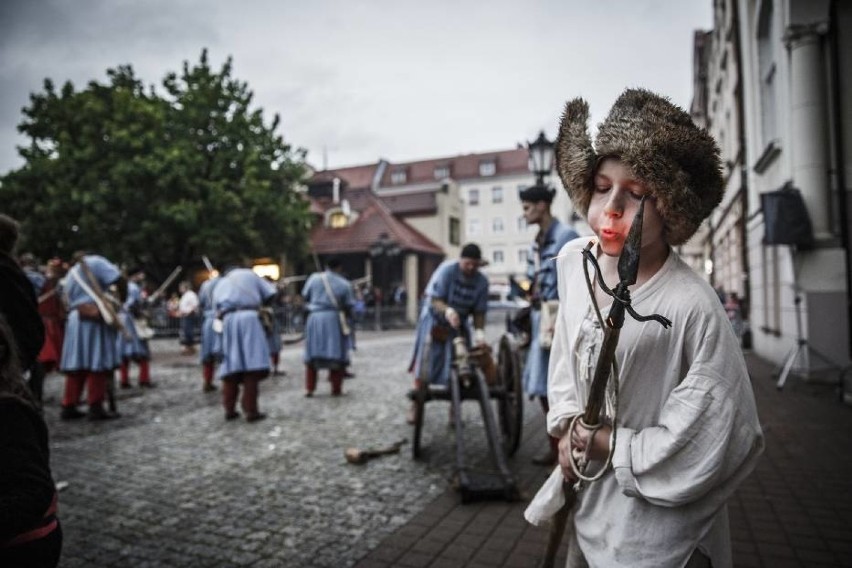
[157, 180]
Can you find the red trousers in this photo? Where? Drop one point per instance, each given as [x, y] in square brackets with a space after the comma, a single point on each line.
[334, 375]
[144, 371]
[95, 383]
[231, 391]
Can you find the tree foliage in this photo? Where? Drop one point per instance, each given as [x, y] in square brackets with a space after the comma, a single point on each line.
[157, 180]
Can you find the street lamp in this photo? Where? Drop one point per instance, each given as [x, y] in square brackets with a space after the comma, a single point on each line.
[541, 157]
[381, 252]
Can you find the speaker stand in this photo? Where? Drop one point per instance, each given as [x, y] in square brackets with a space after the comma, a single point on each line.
[802, 348]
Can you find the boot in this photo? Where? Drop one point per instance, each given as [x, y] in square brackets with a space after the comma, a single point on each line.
[310, 380]
[97, 413]
[71, 413]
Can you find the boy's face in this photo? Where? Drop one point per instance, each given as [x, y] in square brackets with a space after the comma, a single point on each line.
[615, 202]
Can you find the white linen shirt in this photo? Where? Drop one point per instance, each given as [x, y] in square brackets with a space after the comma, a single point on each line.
[188, 303]
[687, 430]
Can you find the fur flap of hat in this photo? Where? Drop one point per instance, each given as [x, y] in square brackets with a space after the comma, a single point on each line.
[575, 158]
[657, 140]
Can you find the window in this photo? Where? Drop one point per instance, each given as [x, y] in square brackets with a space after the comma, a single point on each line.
[497, 194]
[497, 225]
[473, 197]
[522, 224]
[487, 167]
[338, 220]
[497, 256]
[766, 71]
[473, 226]
[398, 177]
[455, 231]
[442, 172]
[523, 256]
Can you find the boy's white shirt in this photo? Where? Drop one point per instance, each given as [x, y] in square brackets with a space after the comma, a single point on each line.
[687, 431]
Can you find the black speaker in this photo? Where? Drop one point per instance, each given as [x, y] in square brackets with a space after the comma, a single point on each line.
[785, 218]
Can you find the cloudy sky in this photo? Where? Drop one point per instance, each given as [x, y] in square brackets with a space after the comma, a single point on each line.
[358, 80]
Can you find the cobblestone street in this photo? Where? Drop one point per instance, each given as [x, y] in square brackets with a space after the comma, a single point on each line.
[171, 483]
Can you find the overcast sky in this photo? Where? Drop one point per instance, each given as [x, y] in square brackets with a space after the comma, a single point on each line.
[359, 80]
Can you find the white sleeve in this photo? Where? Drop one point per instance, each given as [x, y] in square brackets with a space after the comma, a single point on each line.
[707, 437]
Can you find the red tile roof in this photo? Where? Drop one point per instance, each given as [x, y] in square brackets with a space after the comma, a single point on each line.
[374, 219]
[358, 177]
[461, 167]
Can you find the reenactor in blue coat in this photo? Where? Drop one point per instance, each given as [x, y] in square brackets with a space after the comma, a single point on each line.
[237, 300]
[328, 300]
[89, 354]
[457, 291]
[544, 299]
[211, 342]
[132, 345]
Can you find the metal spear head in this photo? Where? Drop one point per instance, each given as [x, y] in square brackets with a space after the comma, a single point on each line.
[628, 261]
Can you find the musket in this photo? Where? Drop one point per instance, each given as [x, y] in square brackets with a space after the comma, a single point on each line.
[165, 284]
[628, 270]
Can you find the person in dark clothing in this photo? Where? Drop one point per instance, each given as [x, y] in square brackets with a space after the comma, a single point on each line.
[17, 297]
[30, 534]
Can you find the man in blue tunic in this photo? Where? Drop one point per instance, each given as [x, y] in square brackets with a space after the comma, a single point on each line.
[245, 350]
[211, 342]
[456, 291]
[89, 354]
[131, 345]
[544, 299]
[329, 300]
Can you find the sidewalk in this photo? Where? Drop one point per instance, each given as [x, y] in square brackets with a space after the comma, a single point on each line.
[794, 510]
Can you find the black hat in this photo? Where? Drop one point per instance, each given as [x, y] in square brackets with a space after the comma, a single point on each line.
[537, 193]
[473, 252]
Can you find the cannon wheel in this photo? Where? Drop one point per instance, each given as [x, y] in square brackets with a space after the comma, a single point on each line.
[419, 401]
[511, 405]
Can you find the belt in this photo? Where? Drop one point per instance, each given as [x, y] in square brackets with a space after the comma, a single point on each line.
[232, 310]
[49, 524]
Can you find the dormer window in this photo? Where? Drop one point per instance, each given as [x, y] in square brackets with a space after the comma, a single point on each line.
[399, 177]
[338, 220]
[488, 167]
[442, 172]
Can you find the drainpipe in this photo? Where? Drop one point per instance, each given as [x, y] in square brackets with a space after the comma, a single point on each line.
[742, 158]
[840, 159]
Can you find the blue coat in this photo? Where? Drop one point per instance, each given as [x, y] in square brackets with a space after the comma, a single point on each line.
[211, 342]
[325, 344]
[89, 345]
[244, 346]
[130, 345]
[431, 361]
[541, 270]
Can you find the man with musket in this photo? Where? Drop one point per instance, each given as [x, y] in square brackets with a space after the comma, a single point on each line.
[133, 345]
[544, 299]
[654, 411]
[328, 299]
[94, 290]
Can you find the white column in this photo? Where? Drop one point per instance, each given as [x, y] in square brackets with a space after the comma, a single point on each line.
[809, 116]
[409, 276]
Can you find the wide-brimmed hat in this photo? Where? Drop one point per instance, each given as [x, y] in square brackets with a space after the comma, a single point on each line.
[677, 160]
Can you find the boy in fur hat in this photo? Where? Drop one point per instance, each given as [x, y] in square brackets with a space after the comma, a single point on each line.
[687, 430]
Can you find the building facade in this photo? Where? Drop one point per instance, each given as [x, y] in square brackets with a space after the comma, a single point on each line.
[779, 76]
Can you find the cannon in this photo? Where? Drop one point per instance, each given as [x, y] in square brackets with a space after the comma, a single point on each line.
[474, 376]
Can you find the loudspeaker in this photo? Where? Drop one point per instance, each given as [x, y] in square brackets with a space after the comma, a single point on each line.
[785, 218]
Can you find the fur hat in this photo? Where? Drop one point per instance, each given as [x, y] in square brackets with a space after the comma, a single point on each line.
[677, 160]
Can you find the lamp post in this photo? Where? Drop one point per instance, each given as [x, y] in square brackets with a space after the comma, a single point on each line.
[381, 252]
[541, 158]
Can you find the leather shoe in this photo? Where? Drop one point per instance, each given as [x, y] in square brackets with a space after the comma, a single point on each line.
[232, 415]
[547, 458]
[71, 413]
[209, 388]
[147, 385]
[256, 417]
[124, 385]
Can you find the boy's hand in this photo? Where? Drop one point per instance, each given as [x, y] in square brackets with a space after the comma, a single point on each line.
[564, 463]
[580, 439]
